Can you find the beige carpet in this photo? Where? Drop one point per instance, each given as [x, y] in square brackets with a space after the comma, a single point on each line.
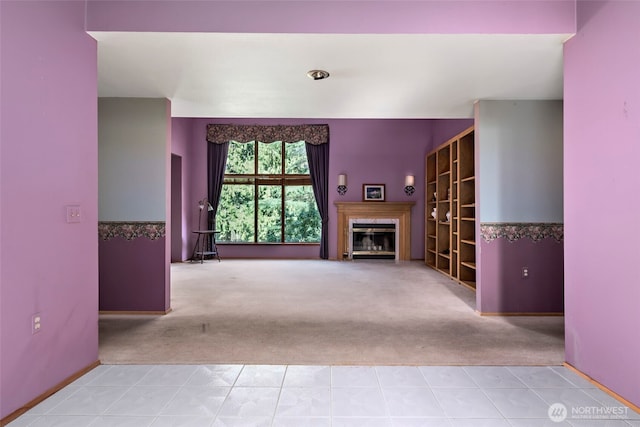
[327, 313]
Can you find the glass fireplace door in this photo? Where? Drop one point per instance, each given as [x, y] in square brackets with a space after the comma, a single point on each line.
[373, 241]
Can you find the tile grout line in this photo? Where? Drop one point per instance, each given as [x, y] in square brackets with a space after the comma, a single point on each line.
[534, 385]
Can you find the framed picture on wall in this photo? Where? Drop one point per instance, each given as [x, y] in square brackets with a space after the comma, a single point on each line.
[373, 192]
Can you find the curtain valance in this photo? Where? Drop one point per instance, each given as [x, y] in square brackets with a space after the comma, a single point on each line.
[311, 134]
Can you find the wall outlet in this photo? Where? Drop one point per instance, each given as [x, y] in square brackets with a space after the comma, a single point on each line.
[74, 214]
[36, 323]
[525, 272]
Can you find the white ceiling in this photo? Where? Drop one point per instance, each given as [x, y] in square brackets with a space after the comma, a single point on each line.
[372, 75]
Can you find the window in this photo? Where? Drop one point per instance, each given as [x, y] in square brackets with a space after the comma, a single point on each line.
[267, 195]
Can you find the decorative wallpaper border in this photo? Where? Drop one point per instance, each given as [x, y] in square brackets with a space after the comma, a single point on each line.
[513, 231]
[152, 230]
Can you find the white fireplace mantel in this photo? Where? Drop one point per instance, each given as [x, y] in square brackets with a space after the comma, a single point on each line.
[400, 211]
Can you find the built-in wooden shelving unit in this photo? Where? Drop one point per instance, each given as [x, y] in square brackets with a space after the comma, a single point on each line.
[450, 209]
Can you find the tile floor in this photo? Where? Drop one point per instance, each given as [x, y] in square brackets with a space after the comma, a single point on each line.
[236, 395]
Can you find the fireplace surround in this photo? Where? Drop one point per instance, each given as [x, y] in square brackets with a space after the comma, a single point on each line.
[380, 213]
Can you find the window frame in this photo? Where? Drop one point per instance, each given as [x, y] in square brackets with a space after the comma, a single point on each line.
[281, 180]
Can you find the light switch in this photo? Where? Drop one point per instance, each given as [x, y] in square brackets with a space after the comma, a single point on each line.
[74, 214]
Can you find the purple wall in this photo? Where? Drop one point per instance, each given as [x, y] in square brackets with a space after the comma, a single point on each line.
[540, 292]
[182, 143]
[177, 244]
[51, 86]
[368, 151]
[380, 152]
[309, 251]
[133, 285]
[601, 151]
[347, 17]
[49, 160]
[519, 200]
[445, 129]
[134, 200]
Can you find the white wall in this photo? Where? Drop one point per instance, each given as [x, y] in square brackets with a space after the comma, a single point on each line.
[132, 153]
[519, 155]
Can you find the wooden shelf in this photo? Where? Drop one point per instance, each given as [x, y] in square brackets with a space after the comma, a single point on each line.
[450, 172]
[469, 284]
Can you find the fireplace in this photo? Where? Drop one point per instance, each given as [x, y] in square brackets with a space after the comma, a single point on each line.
[372, 239]
[384, 215]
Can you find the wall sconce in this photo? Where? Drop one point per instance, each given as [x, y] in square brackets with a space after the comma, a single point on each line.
[409, 180]
[342, 184]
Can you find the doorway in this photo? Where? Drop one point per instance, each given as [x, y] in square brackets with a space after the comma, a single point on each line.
[176, 208]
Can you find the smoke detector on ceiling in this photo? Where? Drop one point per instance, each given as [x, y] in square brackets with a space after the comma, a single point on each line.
[318, 74]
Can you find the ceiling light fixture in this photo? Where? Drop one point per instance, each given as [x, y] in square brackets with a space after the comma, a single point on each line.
[318, 74]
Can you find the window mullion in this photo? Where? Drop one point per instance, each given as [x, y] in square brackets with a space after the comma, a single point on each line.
[256, 193]
[282, 182]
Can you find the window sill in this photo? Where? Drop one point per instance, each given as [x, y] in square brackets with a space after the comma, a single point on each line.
[266, 244]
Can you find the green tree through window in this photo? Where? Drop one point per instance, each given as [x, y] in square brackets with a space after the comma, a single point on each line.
[267, 195]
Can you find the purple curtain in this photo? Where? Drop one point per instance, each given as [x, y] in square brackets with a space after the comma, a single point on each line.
[318, 158]
[217, 160]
